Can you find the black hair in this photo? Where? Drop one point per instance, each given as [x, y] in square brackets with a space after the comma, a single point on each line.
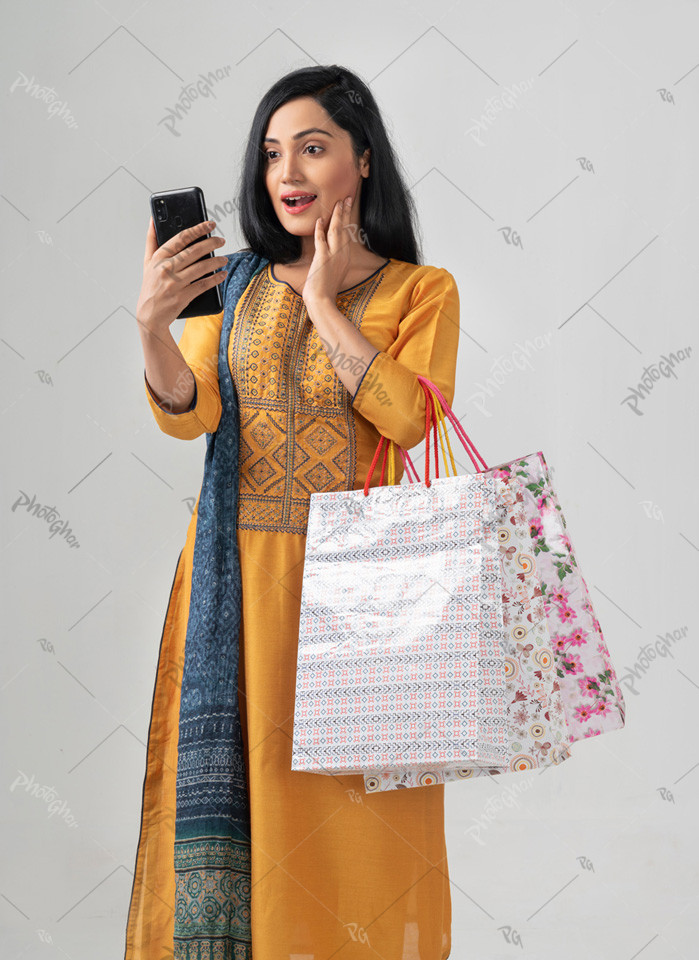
[387, 213]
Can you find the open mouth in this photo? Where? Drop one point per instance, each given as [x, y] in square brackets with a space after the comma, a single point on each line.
[299, 201]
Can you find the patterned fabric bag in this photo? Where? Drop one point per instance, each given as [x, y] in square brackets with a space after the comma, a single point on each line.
[401, 629]
[585, 698]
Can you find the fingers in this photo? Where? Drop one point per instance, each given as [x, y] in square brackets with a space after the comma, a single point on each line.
[182, 240]
[339, 218]
[341, 214]
[341, 222]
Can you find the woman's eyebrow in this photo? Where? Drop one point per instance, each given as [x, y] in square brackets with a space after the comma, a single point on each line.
[302, 133]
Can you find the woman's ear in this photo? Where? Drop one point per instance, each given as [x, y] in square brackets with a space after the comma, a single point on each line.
[364, 162]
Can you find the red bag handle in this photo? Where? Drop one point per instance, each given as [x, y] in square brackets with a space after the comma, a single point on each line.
[431, 420]
[427, 386]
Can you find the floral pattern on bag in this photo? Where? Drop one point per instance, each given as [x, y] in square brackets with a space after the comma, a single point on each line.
[591, 693]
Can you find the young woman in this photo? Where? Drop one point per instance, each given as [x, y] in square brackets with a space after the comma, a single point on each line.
[322, 343]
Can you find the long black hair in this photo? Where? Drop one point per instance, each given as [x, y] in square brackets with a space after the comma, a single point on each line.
[387, 214]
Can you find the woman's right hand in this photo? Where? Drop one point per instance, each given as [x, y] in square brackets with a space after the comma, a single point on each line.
[171, 276]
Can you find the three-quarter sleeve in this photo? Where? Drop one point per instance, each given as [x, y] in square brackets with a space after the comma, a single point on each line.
[199, 345]
[389, 394]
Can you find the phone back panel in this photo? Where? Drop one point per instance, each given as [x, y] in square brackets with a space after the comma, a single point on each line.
[185, 208]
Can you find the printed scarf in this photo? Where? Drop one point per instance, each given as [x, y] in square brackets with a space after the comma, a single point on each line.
[212, 822]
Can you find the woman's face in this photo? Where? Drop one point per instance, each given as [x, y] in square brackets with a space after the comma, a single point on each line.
[319, 163]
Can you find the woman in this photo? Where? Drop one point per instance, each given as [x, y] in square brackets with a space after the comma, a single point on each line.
[326, 869]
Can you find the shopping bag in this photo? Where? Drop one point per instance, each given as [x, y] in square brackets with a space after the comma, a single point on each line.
[592, 697]
[401, 628]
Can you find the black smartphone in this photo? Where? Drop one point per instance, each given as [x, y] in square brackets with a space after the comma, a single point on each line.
[173, 211]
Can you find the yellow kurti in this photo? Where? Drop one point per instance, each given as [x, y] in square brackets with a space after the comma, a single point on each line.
[335, 872]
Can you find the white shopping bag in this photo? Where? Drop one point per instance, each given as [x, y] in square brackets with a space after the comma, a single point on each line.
[400, 657]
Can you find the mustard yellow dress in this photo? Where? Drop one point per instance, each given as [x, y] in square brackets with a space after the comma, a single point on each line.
[335, 872]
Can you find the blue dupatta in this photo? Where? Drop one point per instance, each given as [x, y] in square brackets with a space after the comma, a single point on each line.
[212, 822]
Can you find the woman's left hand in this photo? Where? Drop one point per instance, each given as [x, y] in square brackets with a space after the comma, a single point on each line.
[331, 259]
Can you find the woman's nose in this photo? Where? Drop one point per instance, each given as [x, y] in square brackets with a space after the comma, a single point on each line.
[290, 168]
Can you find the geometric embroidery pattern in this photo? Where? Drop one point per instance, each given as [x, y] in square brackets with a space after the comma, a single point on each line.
[297, 434]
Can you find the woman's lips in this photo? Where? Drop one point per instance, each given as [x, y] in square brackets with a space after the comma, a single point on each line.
[298, 207]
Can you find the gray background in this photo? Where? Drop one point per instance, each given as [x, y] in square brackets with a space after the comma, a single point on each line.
[552, 150]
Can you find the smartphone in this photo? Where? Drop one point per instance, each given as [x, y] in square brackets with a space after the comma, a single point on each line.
[173, 211]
